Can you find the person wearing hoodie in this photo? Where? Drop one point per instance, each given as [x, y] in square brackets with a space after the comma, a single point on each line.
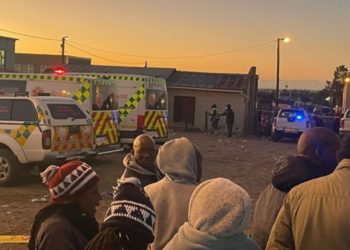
[316, 157]
[216, 223]
[181, 162]
[139, 163]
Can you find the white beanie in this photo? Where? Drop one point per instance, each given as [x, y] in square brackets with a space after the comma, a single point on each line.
[220, 208]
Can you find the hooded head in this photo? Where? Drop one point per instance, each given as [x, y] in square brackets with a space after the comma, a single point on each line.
[180, 159]
[320, 144]
[223, 217]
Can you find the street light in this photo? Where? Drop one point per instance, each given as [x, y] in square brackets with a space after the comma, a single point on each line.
[63, 46]
[285, 39]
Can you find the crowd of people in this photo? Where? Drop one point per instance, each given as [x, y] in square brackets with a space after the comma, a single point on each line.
[159, 202]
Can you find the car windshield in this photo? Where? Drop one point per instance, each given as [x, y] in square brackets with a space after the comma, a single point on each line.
[64, 111]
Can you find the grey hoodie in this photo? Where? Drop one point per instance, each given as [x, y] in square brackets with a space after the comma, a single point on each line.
[216, 223]
[133, 169]
[170, 196]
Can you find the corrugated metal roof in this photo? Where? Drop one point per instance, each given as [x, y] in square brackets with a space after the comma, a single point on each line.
[156, 72]
[208, 80]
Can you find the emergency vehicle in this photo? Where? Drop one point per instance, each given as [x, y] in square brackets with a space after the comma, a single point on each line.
[98, 97]
[142, 103]
[41, 130]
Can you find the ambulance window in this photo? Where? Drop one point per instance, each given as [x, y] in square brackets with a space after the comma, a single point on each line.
[5, 109]
[104, 98]
[23, 110]
[65, 111]
[156, 99]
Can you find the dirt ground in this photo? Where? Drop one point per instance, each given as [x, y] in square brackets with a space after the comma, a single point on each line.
[245, 160]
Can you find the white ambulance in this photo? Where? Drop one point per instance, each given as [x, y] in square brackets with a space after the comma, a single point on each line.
[98, 97]
[142, 104]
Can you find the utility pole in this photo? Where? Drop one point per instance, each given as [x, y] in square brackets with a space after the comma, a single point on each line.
[63, 47]
[286, 39]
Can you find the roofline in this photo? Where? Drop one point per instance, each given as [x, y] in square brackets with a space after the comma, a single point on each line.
[205, 89]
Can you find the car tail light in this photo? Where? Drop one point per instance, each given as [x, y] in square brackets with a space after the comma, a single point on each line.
[46, 139]
[342, 123]
[140, 122]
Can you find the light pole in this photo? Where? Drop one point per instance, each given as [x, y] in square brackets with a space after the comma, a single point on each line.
[285, 39]
[63, 46]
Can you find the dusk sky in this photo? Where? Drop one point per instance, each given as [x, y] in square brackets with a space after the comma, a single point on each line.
[226, 36]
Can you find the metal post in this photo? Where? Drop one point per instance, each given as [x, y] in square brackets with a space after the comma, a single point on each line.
[277, 73]
[63, 47]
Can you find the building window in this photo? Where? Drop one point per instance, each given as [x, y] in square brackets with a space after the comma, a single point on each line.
[30, 68]
[17, 68]
[2, 59]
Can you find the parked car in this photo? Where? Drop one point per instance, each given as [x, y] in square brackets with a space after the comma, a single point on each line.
[344, 127]
[38, 131]
[289, 123]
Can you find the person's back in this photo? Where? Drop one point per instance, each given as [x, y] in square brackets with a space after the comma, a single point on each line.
[315, 214]
[180, 161]
[139, 163]
[291, 171]
[216, 223]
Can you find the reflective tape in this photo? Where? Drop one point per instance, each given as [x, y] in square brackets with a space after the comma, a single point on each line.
[14, 239]
[132, 103]
[155, 120]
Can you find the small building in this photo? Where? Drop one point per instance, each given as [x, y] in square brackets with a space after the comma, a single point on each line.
[191, 95]
[7, 53]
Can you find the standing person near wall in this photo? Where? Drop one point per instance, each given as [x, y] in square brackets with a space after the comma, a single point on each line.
[230, 119]
[214, 117]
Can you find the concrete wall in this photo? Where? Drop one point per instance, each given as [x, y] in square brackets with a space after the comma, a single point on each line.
[203, 102]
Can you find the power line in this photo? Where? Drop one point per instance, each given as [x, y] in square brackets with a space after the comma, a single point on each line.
[28, 35]
[106, 59]
[179, 57]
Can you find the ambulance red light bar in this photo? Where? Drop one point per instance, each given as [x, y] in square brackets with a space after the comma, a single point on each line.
[59, 71]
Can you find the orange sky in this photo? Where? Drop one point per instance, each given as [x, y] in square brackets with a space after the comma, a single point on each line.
[181, 33]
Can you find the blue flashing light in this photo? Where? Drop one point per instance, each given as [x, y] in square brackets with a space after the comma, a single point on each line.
[299, 117]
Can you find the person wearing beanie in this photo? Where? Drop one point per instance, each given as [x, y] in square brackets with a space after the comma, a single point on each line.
[68, 222]
[140, 161]
[216, 223]
[316, 157]
[181, 162]
[315, 214]
[129, 220]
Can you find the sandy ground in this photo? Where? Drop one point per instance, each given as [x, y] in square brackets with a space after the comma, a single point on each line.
[245, 160]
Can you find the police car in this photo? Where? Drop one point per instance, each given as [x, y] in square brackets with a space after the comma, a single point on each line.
[289, 123]
[42, 130]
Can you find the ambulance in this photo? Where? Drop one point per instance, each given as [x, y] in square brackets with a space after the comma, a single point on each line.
[98, 97]
[142, 104]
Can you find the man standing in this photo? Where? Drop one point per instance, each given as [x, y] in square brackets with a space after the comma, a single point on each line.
[316, 157]
[214, 117]
[140, 163]
[230, 118]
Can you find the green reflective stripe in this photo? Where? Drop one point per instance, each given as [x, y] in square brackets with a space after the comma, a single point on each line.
[132, 103]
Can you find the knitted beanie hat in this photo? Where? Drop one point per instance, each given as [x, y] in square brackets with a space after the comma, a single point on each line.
[223, 217]
[69, 180]
[131, 210]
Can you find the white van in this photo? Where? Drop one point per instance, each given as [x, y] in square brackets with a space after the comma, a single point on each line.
[41, 131]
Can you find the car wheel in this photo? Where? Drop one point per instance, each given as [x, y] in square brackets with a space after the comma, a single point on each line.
[275, 137]
[8, 167]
